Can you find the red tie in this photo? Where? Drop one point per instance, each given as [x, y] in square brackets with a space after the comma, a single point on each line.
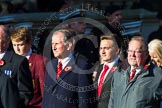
[133, 72]
[59, 69]
[106, 67]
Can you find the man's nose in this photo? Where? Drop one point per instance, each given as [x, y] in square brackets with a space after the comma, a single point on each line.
[102, 51]
[54, 46]
[17, 48]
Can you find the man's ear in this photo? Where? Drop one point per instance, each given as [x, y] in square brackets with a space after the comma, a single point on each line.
[118, 51]
[69, 46]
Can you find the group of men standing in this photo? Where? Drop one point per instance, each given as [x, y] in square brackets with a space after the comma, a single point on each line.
[137, 85]
[66, 79]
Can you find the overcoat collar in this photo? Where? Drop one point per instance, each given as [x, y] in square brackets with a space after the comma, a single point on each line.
[142, 73]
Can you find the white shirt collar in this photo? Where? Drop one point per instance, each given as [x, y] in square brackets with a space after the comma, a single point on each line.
[66, 60]
[111, 64]
[137, 70]
[28, 54]
[2, 54]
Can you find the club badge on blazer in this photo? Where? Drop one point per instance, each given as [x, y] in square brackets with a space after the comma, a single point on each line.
[7, 67]
[8, 73]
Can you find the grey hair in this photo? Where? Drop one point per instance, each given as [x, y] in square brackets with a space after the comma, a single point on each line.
[68, 34]
[6, 31]
[142, 40]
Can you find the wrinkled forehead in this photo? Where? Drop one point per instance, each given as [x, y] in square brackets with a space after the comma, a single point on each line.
[58, 36]
[135, 45]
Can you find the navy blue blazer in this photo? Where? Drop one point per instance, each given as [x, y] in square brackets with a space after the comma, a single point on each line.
[72, 90]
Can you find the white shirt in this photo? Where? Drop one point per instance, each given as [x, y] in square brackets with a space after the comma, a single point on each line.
[110, 66]
[2, 54]
[28, 54]
[66, 60]
[137, 71]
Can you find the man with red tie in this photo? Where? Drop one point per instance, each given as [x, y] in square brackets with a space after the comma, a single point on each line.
[66, 79]
[140, 85]
[109, 55]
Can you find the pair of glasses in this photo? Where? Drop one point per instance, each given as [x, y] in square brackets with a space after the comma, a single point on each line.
[134, 52]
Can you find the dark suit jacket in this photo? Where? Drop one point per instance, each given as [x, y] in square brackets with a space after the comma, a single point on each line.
[103, 100]
[9, 96]
[144, 91]
[37, 68]
[21, 75]
[71, 90]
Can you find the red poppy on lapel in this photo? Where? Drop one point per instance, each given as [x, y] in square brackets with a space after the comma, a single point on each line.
[146, 66]
[2, 62]
[68, 68]
[113, 69]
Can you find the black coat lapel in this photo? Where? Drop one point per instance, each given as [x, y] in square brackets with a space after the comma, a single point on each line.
[108, 77]
[99, 72]
[8, 56]
[51, 69]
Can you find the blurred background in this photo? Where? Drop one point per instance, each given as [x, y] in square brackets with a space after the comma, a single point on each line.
[43, 15]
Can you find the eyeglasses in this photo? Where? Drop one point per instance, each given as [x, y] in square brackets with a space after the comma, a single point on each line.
[136, 52]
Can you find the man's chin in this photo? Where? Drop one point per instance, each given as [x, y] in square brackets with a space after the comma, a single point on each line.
[133, 63]
[19, 53]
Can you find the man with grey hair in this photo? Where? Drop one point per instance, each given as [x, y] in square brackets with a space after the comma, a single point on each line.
[140, 85]
[66, 79]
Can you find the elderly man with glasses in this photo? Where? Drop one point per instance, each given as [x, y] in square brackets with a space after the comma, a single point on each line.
[140, 85]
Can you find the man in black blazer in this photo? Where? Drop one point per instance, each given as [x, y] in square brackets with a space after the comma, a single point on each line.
[71, 87]
[16, 68]
[109, 56]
